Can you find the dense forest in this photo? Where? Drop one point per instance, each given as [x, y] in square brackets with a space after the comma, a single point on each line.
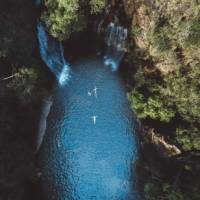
[165, 50]
[163, 81]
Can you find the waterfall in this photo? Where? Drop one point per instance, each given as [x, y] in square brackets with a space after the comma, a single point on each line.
[115, 39]
[52, 53]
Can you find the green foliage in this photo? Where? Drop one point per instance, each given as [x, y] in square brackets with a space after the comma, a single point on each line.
[183, 91]
[151, 191]
[189, 138]
[155, 191]
[160, 38]
[147, 101]
[174, 25]
[23, 84]
[170, 36]
[156, 109]
[178, 93]
[135, 30]
[62, 18]
[148, 82]
[152, 107]
[194, 33]
[162, 44]
[137, 103]
[97, 6]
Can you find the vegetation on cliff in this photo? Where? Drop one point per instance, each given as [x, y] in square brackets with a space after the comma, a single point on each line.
[64, 17]
[25, 83]
[167, 82]
[165, 51]
[97, 6]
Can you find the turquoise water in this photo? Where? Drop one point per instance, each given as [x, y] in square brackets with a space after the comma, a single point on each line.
[90, 144]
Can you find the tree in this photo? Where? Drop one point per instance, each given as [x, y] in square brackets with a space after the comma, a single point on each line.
[24, 84]
[153, 107]
[189, 138]
[62, 18]
[182, 89]
[97, 6]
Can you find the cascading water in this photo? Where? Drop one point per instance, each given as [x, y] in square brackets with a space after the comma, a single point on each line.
[116, 36]
[52, 54]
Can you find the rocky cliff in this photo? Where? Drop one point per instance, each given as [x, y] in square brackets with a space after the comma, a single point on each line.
[21, 74]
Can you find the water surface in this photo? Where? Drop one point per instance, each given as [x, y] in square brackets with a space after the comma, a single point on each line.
[89, 147]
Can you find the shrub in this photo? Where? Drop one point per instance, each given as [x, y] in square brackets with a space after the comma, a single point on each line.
[160, 38]
[135, 30]
[23, 84]
[97, 6]
[62, 18]
[188, 138]
[194, 33]
[156, 190]
[156, 109]
[183, 91]
[137, 103]
[152, 107]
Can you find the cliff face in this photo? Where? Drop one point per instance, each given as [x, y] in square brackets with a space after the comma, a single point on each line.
[163, 55]
[164, 49]
[20, 77]
[168, 32]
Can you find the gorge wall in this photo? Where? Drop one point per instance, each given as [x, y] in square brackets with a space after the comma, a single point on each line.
[24, 81]
[163, 56]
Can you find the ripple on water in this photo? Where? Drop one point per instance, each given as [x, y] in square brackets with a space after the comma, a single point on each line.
[81, 160]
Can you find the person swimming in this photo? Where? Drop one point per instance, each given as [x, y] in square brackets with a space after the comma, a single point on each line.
[89, 93]
[94, 119]
[95, 91]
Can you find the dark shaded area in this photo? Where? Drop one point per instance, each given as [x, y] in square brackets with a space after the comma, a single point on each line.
[17, 170]
[80, 45]
[18, 122]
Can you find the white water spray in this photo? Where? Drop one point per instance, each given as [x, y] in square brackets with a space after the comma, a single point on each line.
[52, 54]
[116, 36]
